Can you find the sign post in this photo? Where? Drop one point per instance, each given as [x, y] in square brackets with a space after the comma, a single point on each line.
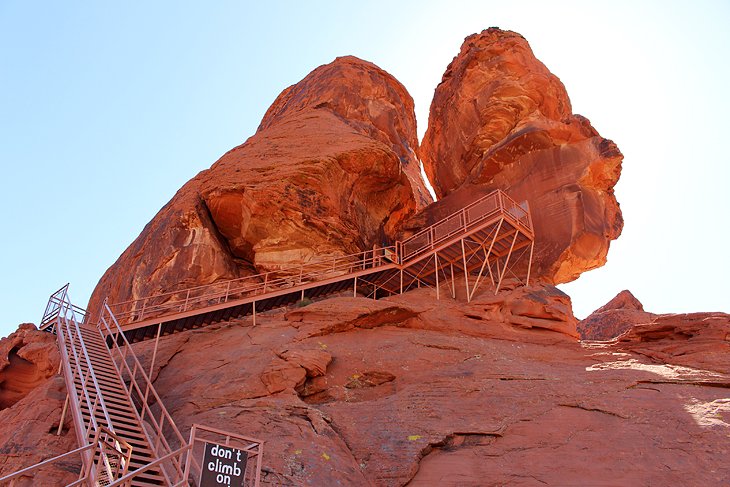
[223, 466]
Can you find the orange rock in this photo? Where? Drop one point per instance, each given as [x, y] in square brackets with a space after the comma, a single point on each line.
[332, 170]
[699, 340]
[500, 119]
[27, 358]
[614, 318]
[31, 399]
[414, 390]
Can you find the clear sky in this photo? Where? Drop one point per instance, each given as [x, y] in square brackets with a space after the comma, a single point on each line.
[107, 108]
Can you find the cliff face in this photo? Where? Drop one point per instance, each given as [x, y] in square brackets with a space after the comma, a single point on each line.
[331, 171]
[411, 390]
[500, 119]
[31, 399]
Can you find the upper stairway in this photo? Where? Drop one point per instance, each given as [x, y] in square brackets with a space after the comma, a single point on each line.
[481, 241]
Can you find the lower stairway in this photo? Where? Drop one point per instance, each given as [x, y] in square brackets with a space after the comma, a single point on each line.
[114, 409]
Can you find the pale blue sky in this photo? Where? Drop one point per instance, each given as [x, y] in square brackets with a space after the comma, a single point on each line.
[106, 109]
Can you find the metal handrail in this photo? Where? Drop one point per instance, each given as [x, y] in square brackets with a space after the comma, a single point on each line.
[460, 222]
[139, 309]
[518, 214]
[145, 392]
[96, 446]
[252, 446]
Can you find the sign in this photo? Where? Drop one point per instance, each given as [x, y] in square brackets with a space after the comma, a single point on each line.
[223, 466]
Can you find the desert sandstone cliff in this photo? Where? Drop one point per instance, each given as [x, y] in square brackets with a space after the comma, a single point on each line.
[410, 390]
[500, 119]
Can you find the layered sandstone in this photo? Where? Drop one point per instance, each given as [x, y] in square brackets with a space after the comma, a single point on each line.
[500, 119]
[614, 318]
[418, 391]
[31, 400]
[331, 170]
[27, 358]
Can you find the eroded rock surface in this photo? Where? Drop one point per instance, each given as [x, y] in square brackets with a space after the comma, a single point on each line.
[31, 399]
[27, 358]
[500, 119]
[332, 170]
[418, 391]
[411, 389]
[614, 318]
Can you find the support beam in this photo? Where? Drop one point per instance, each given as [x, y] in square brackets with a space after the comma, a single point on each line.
[436, 272]
[466, 271]
[63, 416]
[486, 260]
[506, 262]
[453, 282]
[354, 288]
[154, 352]
[529, 263]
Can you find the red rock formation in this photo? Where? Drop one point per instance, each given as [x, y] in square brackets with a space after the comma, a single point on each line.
[27, 358]
[434, 392]
[700, 340]
[614, 318]
[332, 170]
[411, 389]
[31, 399]
[500, 119]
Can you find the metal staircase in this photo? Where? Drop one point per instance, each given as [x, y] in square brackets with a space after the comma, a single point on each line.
[486, 240]
[125, 434]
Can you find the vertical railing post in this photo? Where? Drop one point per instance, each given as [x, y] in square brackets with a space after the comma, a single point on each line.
[187, 297]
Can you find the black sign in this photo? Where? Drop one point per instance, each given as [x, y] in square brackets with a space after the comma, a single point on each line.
[223, 466]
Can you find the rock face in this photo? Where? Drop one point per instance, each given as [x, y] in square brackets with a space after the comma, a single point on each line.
[411, 390]
[500, 119]
[614, 318]
[27, 358]
[31, 399]
[331, 170]
[700, 340]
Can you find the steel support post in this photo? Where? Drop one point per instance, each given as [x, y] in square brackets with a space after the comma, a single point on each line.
[529, 263]
[63, 416]
[453, 282]
[466, 271]
[506, 262]
[436, 271]
[154, 353]
[354, 288]
[486, 259]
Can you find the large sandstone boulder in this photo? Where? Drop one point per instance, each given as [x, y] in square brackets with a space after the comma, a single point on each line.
[331, 170]
[500, 119]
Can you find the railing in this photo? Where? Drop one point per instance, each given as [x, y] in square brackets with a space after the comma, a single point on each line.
[163, 436]
[459, 222]
[222, 292]
[200, 435]
[78, 365]
[112, 456]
